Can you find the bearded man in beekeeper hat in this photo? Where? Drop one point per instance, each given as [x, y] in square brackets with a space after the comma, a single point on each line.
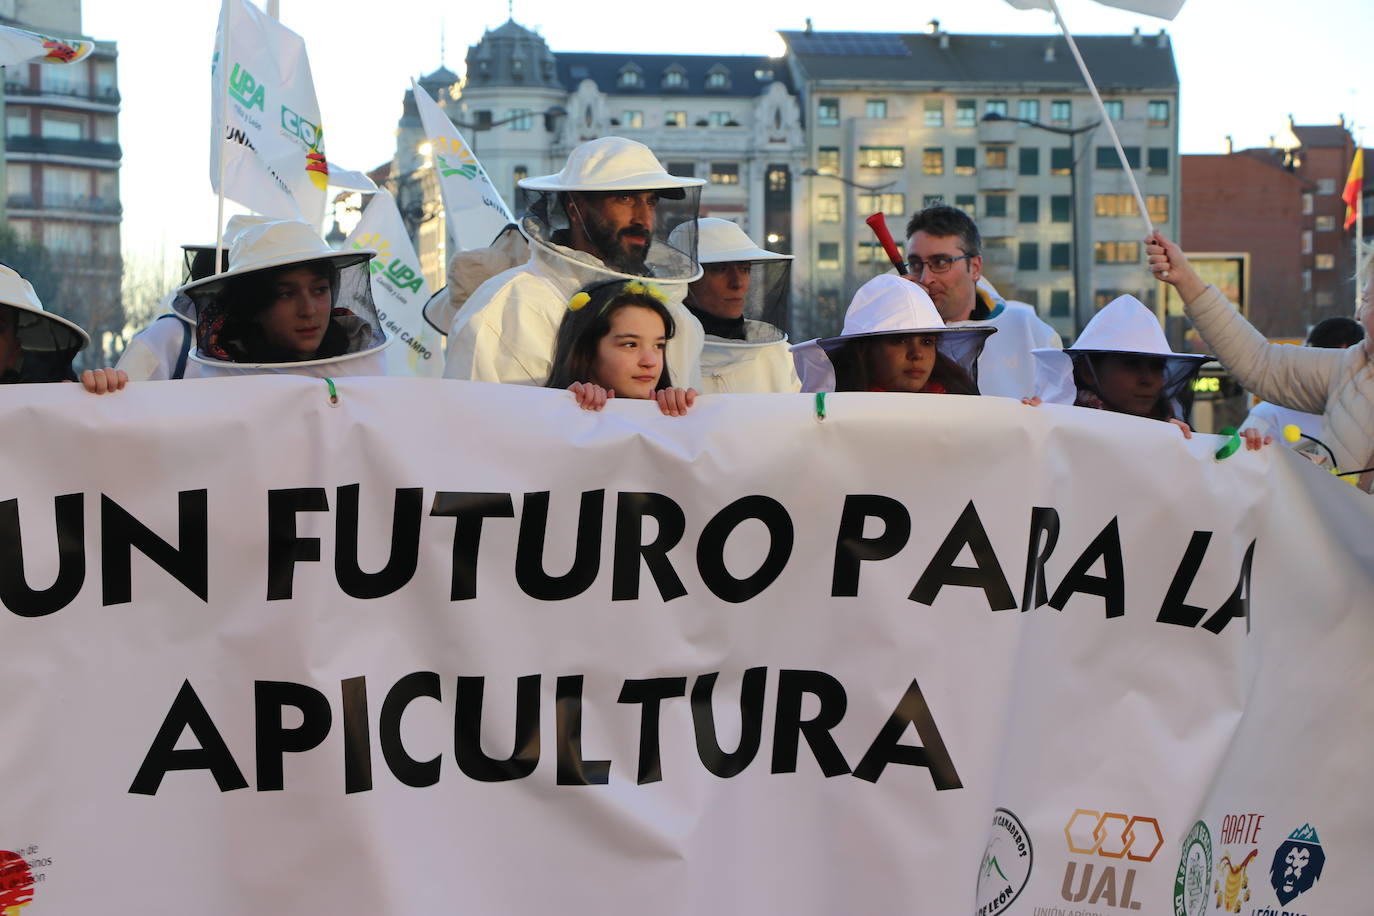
[606, 216]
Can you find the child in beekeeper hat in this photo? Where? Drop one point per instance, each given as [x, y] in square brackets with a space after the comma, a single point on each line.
[1121, 362]
[288, 303]
[613, 342]
[893, 340]
[38, 346]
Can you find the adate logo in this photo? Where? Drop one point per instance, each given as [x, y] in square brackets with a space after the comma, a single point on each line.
[1006, 864]
[1297, 864]
[1194, 872]
[1110, 835]
[245, 89]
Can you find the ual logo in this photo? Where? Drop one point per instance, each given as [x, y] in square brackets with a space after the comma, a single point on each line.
[1112, 836]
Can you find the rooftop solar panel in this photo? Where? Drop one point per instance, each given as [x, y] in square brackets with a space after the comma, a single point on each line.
[851, 44]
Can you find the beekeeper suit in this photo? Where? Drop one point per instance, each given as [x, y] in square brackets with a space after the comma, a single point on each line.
[606, 216]
[1006, 368]
[741, 301]
[226, 308]
[35, 344]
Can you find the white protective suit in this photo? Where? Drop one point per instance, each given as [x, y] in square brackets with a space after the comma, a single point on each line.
[760, 363]
[154, 352]
[1006, 368]
[505, 332]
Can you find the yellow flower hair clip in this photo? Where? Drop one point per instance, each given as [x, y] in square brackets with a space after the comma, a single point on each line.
[577, 301]
[640, 288]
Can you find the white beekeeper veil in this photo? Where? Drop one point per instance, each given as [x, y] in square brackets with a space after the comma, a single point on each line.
[48, 342]
[611, 165]
[764, 291]
[1124, 327]
[889, 304]
[224, 307]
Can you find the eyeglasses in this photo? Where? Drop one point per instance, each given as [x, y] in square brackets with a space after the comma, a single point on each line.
[936, 263]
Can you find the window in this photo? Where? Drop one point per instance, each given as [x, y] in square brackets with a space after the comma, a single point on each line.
[1158, 207]
[683, 169]
[105, 129]
[1307, 281]
[778, 179]
[63, 127]
[719, 119]
[1107, 159]
[16, 120]
[1324, 185]
[1028, 109]
[827, 208]
[1059, 303]
[69, 79]
[1116, 253]
[995, 106]
[632, 119]
[964, 157]
[828, 112]
[718, 78]
[828, 255]
[18, 181]
[968, 203]
[828, 160]
[932, 200]
[965, 113]
[630, 79]
[725, 173]
[674, 79]
[1103, 296]
[1157, 113]
[934, 113]
[1115, 109]
[1029, 163]
[870, 253]
[881, 157]
[523, 119]
[933, 160]
[1028, 256]
[675, 119]
[1157, 159]
[1326, 223]
[995, 205]
[763, 75]
[1059, 255]
[1061, 111]
[1061, 160]
[1307, 204]
[995, 157]
[62, 186]
[882, 203]
[1060, 207]
[1307, 241]
[65, 236]
[1028, 209]
[1114, 205]
[483, 119]
[1326, 261]
[875, 108]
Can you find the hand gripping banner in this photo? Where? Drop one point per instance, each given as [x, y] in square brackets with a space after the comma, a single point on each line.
[443, 646]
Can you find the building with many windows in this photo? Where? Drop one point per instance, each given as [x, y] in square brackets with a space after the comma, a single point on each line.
[61, 165]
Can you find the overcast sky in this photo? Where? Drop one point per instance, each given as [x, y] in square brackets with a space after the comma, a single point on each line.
[1244, 66]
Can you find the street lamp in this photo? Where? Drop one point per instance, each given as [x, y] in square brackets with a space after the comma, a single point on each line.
[848, 226]
[1080, 263]
[550, 116]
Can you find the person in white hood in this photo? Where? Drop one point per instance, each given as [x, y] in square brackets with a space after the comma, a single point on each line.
[38, 346]
[740, 300]
[606, 216]
[161, 350]
[287, 304]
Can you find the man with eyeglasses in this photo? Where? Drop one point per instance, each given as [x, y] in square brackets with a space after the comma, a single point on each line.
[944, 256]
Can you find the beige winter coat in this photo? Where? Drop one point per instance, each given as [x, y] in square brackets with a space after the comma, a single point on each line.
[1336, 383]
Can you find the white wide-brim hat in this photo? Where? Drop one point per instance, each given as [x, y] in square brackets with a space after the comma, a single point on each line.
[260, 245]
[720, 241]
[887, 304]
[612, 164]
[18, 293]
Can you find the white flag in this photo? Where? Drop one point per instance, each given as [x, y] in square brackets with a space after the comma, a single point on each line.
[399, 290]
[266, 123]
[1164, 9]
[18, 46]
[473, 208]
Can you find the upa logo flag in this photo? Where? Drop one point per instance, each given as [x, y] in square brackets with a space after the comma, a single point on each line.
[473, 208]
[1164, 9]
[265, 119]
[18, 46]
[399, 290]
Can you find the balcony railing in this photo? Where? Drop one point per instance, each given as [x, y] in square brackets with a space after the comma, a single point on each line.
[86, 149]
[103, 96]
[83, 203]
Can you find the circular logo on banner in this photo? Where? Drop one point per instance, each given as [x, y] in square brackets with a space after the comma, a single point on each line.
[1194, 872]
[1006, 865]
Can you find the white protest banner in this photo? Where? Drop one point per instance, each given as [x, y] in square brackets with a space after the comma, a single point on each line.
[399, 290]
[265, 121]
[473, 209]
[447, 646]
[18, 46]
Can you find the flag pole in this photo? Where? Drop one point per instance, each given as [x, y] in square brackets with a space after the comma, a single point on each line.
[221, 102]
[1107, 121]
[1359, 220]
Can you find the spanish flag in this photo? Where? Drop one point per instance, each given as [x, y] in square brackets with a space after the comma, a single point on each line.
[1354, 183]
